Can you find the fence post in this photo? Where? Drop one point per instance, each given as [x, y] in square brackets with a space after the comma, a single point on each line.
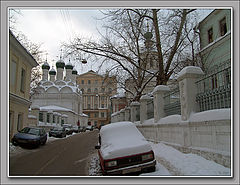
[158, 94]
[134, 106]
[188, 90]
[143, 107]
[127, 114]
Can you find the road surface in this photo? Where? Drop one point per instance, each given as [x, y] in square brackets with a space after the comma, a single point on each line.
[61, 157]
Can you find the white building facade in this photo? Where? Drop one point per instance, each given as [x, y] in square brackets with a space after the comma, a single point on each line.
[58, 98]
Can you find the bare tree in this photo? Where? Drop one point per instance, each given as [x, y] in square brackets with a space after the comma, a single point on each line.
[123, 44]
[33, 48]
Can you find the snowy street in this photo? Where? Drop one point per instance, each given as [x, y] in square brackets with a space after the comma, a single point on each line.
[170, 162]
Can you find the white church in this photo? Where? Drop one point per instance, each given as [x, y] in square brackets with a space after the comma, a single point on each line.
[58, 99]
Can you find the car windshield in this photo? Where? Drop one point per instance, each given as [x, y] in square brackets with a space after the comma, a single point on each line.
[32, 131]
[57, 129]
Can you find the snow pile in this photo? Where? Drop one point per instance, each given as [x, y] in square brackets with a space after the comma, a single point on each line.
[122, 139]
[170, 119]
[215, 114]
[149, 121]
[94, 167]
[189, 164]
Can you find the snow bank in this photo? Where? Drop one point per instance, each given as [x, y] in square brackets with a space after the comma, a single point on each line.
[211, 115]
[122, 139]
[189, 164]
[170, 119]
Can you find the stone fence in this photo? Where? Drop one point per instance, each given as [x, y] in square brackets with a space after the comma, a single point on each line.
[207, 133]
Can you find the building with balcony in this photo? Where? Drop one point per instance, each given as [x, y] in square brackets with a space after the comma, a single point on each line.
[97, 90]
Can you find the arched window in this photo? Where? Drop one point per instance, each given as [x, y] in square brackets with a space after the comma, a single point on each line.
[96, 90]
[89, 90]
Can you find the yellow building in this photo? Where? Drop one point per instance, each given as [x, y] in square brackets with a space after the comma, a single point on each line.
[20, 64]
[97, 90]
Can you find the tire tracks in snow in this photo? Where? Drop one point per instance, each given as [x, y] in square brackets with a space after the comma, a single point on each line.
[173, 170]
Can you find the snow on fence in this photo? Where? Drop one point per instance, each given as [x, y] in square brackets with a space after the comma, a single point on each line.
[179, 117]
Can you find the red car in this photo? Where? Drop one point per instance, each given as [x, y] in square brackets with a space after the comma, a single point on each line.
[124, 150]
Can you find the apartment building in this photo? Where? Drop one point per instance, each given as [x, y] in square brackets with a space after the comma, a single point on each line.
[97, 90]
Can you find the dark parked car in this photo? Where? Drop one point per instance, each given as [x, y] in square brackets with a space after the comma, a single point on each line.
[57, 132]
[123, 150]
[31, 136]
[90, 127]
[82, 129]
[68, 128]
[76, 129]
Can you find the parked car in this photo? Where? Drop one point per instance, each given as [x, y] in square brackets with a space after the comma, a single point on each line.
[82, 129]
[31, 136]
[57, 132]
[89, 127]
[76, 129]
[123, 150]
[68, 128]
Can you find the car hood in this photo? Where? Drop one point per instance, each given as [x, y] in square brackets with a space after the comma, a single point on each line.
[124, 139]
[26, 136]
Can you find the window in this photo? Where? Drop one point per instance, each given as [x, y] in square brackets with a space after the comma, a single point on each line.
[103, 89]
[96, 82]
[19, 121]
[13, 72]
[88, 98]
[48, 116]
[88, 106]
[102, 106]
[102, 98]
[95, 123]
[89, 115]
[23, 79]
[210, 35]
[89, 90]
[95, 115]
[223, 26]
[95, 106]
[54, 118]
[96, 90]
[102, 114]
[214, 81]
[41, 116]
[82, 81]
[89, 81]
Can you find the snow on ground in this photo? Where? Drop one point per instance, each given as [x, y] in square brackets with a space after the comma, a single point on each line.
[160, 171]
[94, 166]
[187, 164]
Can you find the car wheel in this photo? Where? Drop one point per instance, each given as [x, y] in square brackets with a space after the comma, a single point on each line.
[14, 143]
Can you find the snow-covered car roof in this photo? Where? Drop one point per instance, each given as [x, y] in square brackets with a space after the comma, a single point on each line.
[122, 139]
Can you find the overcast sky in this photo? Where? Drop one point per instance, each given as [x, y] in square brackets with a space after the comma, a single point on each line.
[51, 27]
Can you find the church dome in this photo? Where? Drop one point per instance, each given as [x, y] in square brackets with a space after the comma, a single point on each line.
[74, 71]
[52, 72]
[69, 65]
[45, 66]
[60, 64]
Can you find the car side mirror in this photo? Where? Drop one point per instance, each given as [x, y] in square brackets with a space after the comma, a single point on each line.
[97, 147]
